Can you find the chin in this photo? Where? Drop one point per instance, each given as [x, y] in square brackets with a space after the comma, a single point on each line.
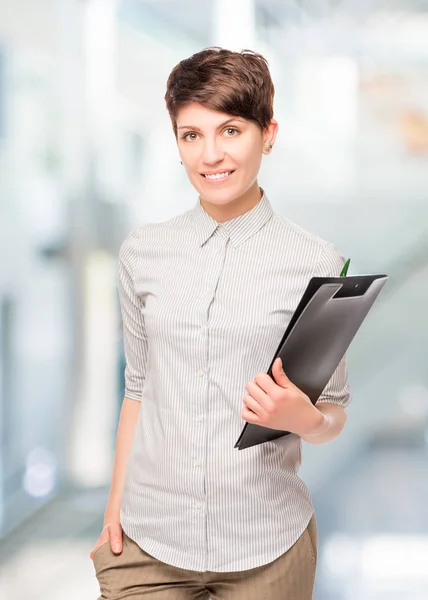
[219, 198]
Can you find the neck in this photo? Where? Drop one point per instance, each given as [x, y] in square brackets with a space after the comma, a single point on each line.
[235, 208]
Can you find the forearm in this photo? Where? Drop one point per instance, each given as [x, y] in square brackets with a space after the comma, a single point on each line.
[331, 421]
[124, 438]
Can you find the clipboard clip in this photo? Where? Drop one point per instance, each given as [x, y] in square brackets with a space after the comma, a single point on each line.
[345, 268]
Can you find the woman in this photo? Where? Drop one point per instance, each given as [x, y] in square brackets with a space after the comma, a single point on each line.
[205, 299]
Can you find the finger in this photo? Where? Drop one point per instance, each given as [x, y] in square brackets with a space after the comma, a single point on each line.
[116, 537]
[279, 375]
[255, 391]
[91, 556]
[253, 406]
[100, 541]
[249, 415]
[266, 383]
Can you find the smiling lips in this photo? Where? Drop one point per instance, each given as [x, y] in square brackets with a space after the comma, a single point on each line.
[219, 176]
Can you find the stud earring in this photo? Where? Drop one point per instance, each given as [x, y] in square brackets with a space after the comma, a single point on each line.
[268, 149]
[181, 161]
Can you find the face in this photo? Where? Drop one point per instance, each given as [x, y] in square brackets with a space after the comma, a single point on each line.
[212, 142]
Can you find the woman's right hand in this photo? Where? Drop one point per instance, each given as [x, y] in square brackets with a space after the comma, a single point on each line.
[112, 532]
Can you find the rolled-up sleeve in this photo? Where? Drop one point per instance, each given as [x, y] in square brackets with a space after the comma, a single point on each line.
[134, 332]
[338, 390]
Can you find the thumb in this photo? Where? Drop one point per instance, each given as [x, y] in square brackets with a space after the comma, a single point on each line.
[115, 535]
[280, 377]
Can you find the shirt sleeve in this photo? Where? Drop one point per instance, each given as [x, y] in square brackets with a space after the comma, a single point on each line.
[338, 390]
[134, 332]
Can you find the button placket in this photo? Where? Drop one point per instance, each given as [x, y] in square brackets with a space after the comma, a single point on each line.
[198, 457]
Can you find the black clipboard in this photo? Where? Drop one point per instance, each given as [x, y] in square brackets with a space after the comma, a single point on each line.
[318, 335]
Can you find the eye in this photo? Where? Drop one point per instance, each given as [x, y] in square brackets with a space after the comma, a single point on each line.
[232, 129]
[185, 136]
[192, 133]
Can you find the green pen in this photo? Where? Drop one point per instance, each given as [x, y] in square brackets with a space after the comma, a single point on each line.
[345, 268]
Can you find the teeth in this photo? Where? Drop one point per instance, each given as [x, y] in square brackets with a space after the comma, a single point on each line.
[218, 175]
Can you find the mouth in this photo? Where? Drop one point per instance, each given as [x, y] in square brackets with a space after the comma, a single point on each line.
[218, 177]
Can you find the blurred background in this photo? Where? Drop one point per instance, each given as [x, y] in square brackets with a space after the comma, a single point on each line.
[87, 153]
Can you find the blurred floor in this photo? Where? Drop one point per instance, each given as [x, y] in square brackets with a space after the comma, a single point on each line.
[47, 557]
[50, 570]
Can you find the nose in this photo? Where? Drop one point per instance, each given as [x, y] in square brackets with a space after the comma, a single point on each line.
[212, 151]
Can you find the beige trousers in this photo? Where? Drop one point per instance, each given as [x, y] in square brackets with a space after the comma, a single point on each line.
[134, 574]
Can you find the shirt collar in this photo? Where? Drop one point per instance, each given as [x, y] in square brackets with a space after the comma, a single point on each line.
[239, 228]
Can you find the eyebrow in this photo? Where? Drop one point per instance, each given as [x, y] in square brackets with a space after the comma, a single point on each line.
[221, 125]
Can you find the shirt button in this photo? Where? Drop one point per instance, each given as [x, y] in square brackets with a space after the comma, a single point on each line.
[199, 419]
[199, 505]
[197, 463]
[203, 330]
[201, 373]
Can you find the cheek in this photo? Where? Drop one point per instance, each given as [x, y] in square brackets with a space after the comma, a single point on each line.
[195, 178]
[189, 152]
[192, 164]
[249, 155]
[251, 166]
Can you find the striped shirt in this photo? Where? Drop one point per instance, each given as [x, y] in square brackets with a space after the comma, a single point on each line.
[204, 307]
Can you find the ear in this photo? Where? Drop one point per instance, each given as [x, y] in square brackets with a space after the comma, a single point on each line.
[270, 133]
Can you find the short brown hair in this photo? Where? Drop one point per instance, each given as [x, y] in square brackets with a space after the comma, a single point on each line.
[237, 83]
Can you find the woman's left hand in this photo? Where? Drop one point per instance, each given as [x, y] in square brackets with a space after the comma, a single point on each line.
[279, 404]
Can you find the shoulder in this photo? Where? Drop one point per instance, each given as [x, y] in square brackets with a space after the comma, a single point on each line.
[145, 237]
[309, 247]
[298, 233]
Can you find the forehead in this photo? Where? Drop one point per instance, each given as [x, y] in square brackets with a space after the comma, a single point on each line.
[197, 115]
